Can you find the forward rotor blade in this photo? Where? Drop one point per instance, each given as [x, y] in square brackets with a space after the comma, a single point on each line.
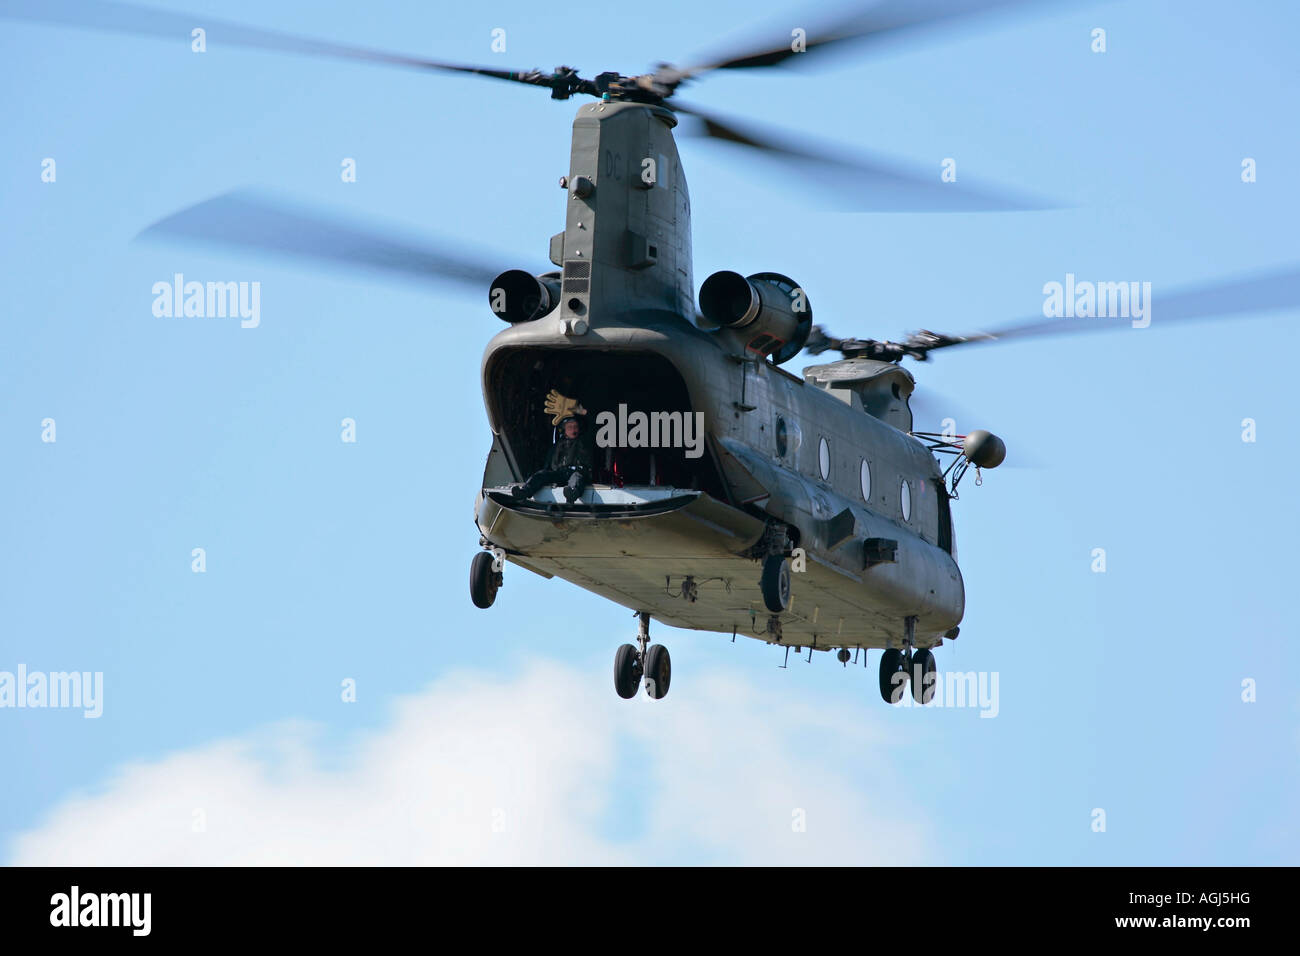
[868, 183]
[247, 221]
[876, 22]
[151, 22]
[1248, 295]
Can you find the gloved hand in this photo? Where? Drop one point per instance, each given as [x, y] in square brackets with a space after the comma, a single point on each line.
[560, 407]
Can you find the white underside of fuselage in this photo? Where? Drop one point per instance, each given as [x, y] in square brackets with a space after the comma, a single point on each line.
[644, 547]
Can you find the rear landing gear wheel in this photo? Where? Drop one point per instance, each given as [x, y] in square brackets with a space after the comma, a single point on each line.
[923, 676]
[658, 672]
[775, 583]
[483, 581]
[627, 671]
[892, 675]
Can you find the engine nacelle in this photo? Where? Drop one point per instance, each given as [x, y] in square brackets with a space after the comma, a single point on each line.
[984, 449]
[519, 296]
[768, 309]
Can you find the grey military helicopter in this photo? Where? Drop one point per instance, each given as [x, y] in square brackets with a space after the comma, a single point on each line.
[724, 493]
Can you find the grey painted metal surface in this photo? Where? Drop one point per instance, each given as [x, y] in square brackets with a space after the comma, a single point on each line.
[820, 467]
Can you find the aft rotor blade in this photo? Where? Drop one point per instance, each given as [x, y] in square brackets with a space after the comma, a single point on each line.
[876, 22]
[246, 220]
[164, 24]
[1245, 296]
[867, 183]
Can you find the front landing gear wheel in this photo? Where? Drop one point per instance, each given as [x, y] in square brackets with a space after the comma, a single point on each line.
[658, 672]
[483, 581]
[627, 671]
[775, 583]
[892, 675]
[923, 676]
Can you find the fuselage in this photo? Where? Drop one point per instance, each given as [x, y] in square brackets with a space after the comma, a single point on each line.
[825, 460]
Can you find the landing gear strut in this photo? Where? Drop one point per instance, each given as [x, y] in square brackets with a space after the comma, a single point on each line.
[647, 660]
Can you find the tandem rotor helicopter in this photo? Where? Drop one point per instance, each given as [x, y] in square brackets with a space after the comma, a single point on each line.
[808, 512]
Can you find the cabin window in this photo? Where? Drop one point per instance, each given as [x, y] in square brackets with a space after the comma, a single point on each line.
[824, 458]
[866, 480]
[781, 444]
[907, 501]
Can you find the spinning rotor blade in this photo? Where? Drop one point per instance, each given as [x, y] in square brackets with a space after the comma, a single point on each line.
[871, 183]
[1279, 289]
[877, 22]
[148, 21]
[1264, 292]
[248, 221]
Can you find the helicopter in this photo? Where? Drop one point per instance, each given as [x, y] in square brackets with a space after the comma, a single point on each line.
[722, 492]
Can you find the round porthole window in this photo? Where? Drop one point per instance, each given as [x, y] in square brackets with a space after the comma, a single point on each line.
[866, 481]
[907, 501]
[782, 445]
[824, 458]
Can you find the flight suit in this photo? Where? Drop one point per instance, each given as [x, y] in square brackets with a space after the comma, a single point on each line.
[568, 463]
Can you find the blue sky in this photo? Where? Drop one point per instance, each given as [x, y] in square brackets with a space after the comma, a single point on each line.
[328, 561]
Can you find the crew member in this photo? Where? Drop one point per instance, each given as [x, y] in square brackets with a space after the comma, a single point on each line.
[568, 463]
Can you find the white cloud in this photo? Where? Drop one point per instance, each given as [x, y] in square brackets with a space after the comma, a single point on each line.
[547, 767]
